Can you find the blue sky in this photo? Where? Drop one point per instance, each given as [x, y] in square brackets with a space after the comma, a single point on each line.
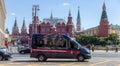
[90, 11]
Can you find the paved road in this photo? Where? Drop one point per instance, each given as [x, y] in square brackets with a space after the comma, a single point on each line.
[98, 59]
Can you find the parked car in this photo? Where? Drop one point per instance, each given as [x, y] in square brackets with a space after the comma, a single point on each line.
[4, 54]
[24, 50]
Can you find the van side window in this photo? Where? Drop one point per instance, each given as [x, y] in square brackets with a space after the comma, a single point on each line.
[39, 42]
[72, 45]
[51, 41]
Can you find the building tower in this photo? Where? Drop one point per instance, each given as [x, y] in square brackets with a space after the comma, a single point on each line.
[78, 25]
[24, 28]
[70, 26]
[15, 29]
[7, 31]
[35, 18]
[104, 27]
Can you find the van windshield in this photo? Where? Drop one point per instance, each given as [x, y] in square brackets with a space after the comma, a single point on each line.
[76, 42]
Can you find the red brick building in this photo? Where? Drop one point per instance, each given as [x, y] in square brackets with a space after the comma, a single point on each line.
[50, 25]
[47, 26]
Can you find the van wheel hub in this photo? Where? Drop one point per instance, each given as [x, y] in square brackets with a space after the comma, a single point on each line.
[41, 58]
[80, 58]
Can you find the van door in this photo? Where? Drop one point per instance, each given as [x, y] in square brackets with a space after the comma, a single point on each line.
[66, 49]
[60, 48]
[73, 49]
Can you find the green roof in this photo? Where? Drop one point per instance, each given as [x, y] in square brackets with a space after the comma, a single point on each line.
[78, 16]
[53, 20]
[115, 26]
[104, 15]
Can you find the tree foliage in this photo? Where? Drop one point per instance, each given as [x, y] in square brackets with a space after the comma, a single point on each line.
[83, 39]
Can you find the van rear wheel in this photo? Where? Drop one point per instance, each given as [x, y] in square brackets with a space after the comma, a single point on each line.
[80, 58]
[41, 58]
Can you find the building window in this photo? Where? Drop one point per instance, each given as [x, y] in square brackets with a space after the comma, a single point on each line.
[63, 30]
[47, 29]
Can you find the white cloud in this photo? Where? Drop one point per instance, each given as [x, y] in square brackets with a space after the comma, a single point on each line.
[13, 14]
[66, 4]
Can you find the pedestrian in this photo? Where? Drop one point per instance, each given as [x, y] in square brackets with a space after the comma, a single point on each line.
[107, 48]
[92, 47]
[88, 46]
[6, 43]
[116, 49]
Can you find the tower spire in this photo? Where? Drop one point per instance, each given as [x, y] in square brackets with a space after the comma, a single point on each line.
[104, 13]
[51, 16]
[15, 30]
[78, 16]
[104, 7]
[78, 24]
[15, 24]
[23, 22]
[24, 29]
[69, 13]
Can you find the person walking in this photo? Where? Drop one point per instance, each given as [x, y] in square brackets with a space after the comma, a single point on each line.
[89, 46]
[6, 43]
[107, 48]
[116, 49]
[92, 47]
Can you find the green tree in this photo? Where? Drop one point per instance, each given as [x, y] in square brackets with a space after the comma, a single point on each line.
[87, 39]
[114, 38]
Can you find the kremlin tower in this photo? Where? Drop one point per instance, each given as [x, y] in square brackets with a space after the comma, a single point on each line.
[104, 27]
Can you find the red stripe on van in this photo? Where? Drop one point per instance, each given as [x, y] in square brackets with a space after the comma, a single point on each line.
[48, 50]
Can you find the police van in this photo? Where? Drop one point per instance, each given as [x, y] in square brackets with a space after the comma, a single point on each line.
[57, 46]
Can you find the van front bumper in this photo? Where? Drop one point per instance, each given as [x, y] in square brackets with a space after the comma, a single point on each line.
[87, 56]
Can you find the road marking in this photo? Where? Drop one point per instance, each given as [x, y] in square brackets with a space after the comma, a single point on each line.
[68, 64]
[2, 65]
[14, 63]
[34, 65]
[100, 62]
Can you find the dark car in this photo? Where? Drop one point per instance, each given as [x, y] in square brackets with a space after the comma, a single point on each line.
[4, 54]
[57, 46]
[24, 50]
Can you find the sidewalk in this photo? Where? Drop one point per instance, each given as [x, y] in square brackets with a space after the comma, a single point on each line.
[104, 51]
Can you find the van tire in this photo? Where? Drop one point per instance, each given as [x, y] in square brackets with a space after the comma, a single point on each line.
[42, 58]
[1, 57]
[22, 52]
[80, 58]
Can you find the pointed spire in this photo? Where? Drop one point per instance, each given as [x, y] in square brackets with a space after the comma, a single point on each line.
[104, 7]
[78, 16]
[23, 22]
[15, 24]
[69, 13]
[104, 13]
[51, 16]
[7, 31]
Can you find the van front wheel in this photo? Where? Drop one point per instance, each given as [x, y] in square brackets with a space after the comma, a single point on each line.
[41, 58]
[1, 57]
[80, 58]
